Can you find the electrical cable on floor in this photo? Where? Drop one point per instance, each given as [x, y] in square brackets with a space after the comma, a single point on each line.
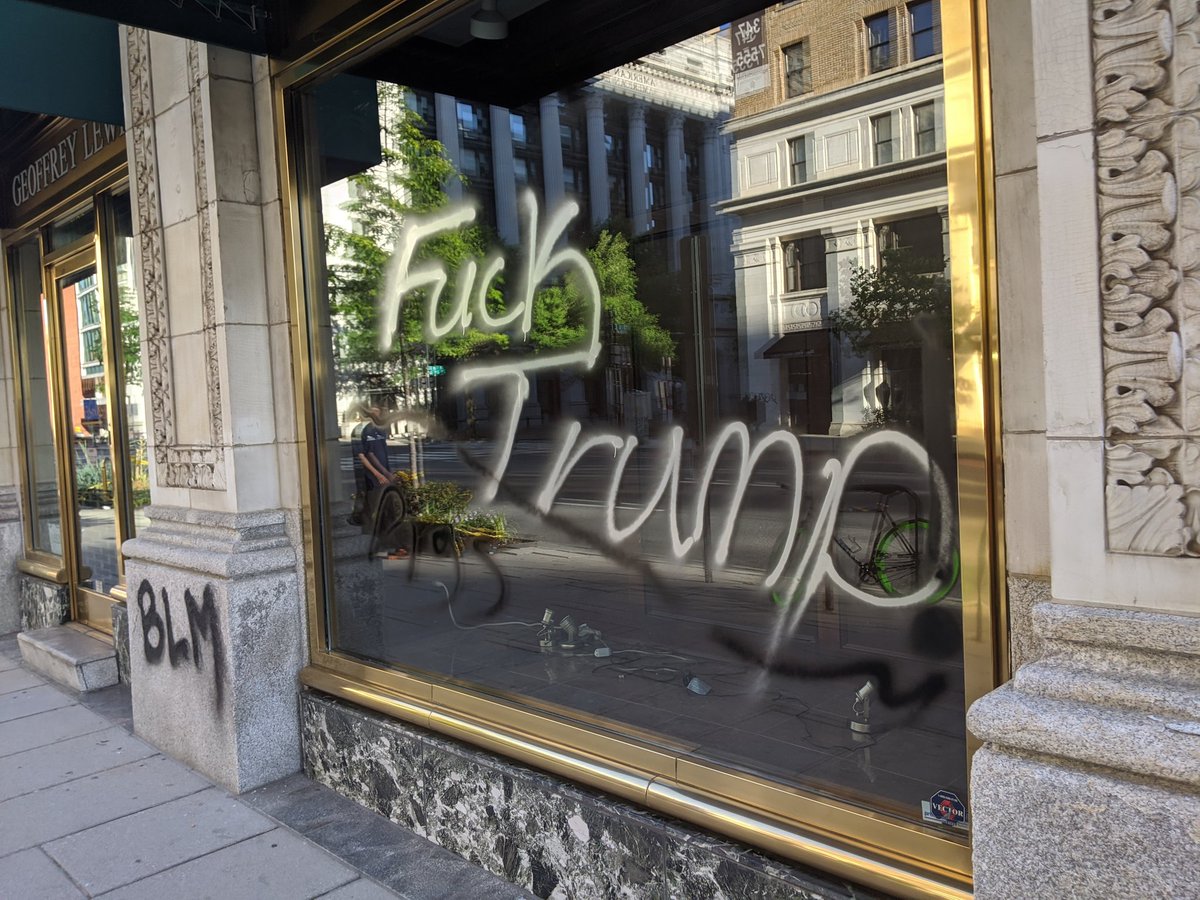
[450, 609]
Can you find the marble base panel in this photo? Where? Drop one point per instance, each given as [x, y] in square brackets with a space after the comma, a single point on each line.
[120, 627]
[12, 548]
[43, 603]
[550, 836]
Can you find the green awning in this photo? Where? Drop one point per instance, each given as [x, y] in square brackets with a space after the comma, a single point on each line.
[59, 63]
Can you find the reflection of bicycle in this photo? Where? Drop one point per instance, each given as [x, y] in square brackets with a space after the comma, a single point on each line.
[902, 556]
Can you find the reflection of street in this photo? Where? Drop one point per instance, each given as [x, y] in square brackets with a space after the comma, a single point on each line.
[581, 504]
[98, 546]
[670, 631]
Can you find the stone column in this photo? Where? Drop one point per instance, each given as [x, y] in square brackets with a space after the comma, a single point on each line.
[552, 158]
[216, 605]
[1088, 780]
[597, 160]
[638, 176]
[504, 179]
[678, 212]
[446, 121]
[716, 183]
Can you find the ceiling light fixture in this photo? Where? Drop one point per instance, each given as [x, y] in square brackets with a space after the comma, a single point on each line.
[488, 24]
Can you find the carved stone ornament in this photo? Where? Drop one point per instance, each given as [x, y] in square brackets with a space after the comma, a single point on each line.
[177, 465]
[1147, 87]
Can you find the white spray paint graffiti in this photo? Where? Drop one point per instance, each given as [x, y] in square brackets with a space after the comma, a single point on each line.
[799, 570]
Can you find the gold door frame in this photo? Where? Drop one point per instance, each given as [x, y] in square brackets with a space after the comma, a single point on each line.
[858, 844]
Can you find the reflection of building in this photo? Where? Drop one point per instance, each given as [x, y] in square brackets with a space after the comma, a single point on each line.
[839, 153]
[640, 148]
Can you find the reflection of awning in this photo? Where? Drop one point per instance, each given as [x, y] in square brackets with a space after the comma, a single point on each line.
[799, 343]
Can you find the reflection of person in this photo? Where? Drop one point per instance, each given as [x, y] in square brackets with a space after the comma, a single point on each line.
[376, 465]
[374, 455]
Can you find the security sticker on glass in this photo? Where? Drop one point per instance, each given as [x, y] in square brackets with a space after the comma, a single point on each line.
[944, 808]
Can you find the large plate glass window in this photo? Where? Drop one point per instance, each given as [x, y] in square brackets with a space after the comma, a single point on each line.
[623, 421]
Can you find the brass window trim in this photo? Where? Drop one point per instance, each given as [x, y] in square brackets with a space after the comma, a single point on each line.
[917, 862]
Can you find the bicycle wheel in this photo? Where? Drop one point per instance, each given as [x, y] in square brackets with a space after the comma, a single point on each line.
[904, 561]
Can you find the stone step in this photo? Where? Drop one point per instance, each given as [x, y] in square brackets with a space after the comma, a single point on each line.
[76, 658]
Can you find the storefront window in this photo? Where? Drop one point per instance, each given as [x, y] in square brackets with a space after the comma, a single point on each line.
[682, 468]
[41, 477]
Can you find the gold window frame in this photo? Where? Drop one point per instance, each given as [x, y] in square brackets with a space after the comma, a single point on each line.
[854, 843]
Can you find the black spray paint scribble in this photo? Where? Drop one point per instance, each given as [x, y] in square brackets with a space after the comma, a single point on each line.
[202, 623]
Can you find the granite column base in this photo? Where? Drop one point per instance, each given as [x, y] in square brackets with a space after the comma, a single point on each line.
[1088, 783]
[216, 639]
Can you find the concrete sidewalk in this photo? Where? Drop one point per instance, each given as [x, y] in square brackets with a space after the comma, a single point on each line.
[87, 809]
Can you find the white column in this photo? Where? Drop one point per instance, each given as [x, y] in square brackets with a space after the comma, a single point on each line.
[504, 178]
[552, 163]
[716, 172]
[639, 210]
[217, 557]
[677, 199]
[446, 116]
[597, 160]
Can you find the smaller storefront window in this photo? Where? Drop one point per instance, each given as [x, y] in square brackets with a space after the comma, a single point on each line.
[37, 422]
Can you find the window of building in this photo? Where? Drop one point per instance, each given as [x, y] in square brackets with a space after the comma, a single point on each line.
[799, 152]
[925, 128]
[516, 125]
[476, 163]
[882, 140]
[472, 119]
[804, 264]
[919, 238]
[526, 170]
[797, 69]
[879, 42]
[922, 28]
[423, 105]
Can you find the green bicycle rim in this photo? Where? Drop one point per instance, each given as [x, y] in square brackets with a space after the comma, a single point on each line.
[881, 554]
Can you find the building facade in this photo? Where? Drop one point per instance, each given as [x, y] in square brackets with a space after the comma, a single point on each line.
[690, 452]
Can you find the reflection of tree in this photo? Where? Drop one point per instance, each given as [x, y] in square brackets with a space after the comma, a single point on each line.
[408, 181]
[559, 311]
[131, 348]
[887, 299]
[900, 314]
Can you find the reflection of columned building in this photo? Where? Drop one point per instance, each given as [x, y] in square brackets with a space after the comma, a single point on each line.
[639, 145]
[841, 155]
[642, 147]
